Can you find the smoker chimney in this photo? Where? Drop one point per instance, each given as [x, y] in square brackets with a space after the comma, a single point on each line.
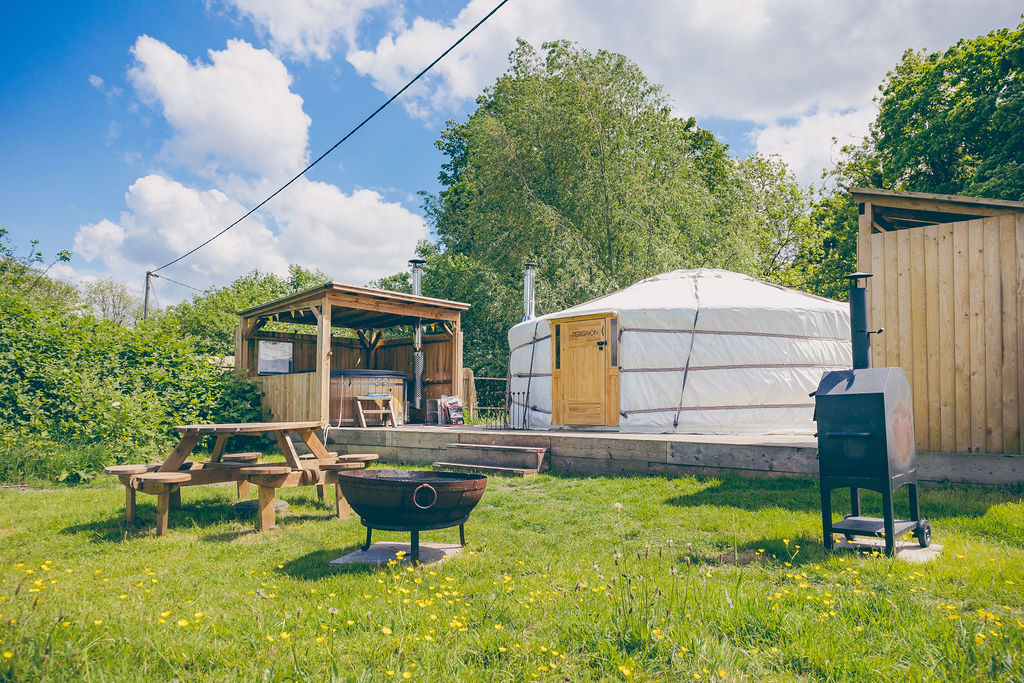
[529, 299]
[860, 335]
[417, 357]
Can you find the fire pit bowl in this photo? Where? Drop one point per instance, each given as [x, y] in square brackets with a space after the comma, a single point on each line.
[412, 500]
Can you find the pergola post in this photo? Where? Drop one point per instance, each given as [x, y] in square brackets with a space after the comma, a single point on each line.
[323, 357]
[456, 335]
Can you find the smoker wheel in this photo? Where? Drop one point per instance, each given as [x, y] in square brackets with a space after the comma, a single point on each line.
[924, 533]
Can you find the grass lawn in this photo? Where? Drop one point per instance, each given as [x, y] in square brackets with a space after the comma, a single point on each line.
[690, 579]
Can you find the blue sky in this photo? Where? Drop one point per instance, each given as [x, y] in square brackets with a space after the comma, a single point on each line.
[131, 130]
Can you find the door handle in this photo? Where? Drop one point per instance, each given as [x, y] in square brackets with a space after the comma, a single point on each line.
[601, 344]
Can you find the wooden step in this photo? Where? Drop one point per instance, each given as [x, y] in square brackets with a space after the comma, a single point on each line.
[484, 469]
[516, 457]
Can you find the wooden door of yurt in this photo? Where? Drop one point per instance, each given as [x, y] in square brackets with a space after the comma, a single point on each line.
[585, 376]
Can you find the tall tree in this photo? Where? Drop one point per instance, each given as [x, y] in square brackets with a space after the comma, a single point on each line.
[574, 160]
[111, 300]
[210, 318]
[948, 122]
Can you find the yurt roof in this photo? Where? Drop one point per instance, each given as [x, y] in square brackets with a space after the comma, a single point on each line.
[715, 288]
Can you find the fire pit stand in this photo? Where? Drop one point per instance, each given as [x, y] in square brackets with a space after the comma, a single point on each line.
[414, 530]
[412, 500]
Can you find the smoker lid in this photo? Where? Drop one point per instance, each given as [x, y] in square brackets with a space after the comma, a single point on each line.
[859, 381]
[368, 373]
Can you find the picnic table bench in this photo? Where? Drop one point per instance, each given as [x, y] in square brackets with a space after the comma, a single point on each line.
[164, 480]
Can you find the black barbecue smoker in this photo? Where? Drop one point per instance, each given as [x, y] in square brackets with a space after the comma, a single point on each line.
[865, 436]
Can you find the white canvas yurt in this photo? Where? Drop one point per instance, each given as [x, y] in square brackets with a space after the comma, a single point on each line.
[691, 351]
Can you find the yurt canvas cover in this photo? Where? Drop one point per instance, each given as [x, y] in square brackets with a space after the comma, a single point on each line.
[691, 351]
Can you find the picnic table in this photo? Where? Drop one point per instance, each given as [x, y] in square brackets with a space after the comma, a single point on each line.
[164, 480]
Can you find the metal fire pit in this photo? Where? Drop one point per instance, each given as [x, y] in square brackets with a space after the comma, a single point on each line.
[865, 436]
[412, 500]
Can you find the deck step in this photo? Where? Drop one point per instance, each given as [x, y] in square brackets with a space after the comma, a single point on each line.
[515, 457]
[484, 469]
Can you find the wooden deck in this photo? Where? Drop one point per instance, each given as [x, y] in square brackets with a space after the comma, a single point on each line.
[612, 453]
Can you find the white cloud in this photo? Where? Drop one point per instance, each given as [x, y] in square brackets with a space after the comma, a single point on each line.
[740, 59]
[307, 28]
[165, 219]
[96, 82]
[353, 237]
[806, 142]
[800, 72]
[236, 113]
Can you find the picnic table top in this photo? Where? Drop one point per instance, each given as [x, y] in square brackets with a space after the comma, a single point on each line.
[248, 427]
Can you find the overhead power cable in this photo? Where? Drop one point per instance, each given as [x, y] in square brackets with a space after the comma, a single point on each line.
[338, 143]
[182, 284]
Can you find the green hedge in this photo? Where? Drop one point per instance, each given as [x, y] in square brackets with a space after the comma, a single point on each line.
[77, 392]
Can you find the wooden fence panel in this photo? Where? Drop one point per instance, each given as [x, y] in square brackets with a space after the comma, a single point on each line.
[951, 299]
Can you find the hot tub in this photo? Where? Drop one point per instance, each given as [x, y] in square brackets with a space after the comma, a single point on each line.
[347, 384]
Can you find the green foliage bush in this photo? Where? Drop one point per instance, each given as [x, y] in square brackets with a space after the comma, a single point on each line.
[78, 392]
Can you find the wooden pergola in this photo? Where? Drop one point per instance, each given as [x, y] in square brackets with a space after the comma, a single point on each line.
[304, 393]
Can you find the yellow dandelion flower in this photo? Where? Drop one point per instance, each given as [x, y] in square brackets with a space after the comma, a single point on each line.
[182, 622]
[98, 622]
[285, 635]
[406, 675]
[386, 630]
[625, 672]
[497, 627]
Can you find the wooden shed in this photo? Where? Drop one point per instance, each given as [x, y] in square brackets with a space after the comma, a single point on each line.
[304, 384]
[948, 289]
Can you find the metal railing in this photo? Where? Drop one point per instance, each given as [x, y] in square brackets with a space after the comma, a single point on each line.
[497, 408]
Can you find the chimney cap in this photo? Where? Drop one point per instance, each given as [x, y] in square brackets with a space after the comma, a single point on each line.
[417, 262]
[530, 264]
[859, 276]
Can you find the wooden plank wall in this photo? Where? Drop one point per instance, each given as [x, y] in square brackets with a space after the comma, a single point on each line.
[291, 398]
[951, 300]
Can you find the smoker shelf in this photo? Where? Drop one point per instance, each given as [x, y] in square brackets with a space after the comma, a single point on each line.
[871, 526]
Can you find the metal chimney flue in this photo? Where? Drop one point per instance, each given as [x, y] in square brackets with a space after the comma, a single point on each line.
[860, 334]
[417, 357]
[529, 291]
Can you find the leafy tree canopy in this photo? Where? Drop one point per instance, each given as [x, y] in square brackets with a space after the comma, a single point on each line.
[210, 318]
[575, 160]
[949, 122]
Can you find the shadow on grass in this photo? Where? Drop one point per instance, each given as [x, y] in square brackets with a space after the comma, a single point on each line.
[315, 565]
[801, 494]
[198, 514]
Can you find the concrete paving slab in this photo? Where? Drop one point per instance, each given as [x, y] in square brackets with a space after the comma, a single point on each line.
[381, 553]
[907, 551]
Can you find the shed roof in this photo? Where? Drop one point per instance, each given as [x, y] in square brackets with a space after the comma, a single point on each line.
[892, 210]
[358, 307]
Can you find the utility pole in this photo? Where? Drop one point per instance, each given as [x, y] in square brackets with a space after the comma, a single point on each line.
[145, 300]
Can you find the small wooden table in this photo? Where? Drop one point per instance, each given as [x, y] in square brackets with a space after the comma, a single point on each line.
[165, 480]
